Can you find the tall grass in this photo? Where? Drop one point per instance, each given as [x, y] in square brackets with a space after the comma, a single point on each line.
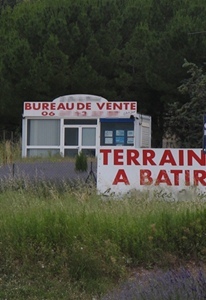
[73, 240]
[10, 151]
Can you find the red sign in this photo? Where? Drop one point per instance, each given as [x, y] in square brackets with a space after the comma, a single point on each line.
[78, 109]
[123, 169]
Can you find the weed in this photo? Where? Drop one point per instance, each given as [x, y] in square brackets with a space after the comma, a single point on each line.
[81, 162]
[65, 234]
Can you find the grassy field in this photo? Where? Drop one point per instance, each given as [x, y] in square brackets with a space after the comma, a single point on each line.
[10, 152]
[71, 244]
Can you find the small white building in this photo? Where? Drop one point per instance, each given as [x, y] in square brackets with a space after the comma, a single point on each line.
[74, 123]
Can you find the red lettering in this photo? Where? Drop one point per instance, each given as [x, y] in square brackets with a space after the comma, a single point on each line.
[181, 157]
[117, 106]
[53, 106]
[148, 156]
[100, 105]
[69, 106]
[27, 106]
[199, 177]
[187, 177]
[176, 176]
[105, 153]
[133, 106]
[145, 177]
[192, 155]
[118, 157]
[37, 106]
[88, 106]
[126, 105]
[80, 105]
[121, 177]
[132, 156]
[163, 178]
[109, 106]
[45, 106]
[167, 158]
[61, 106]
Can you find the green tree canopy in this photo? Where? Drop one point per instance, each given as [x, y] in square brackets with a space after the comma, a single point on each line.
[121, 50]
[186, 121]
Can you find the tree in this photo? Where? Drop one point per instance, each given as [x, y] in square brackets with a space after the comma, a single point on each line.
[186, 121]
[119, 49]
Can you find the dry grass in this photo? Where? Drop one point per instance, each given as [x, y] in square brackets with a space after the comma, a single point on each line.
[11, 152]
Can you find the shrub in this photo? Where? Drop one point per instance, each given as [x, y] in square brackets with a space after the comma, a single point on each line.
[81, 162]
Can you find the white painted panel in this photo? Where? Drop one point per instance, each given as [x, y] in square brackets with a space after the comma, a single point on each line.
[121, 169]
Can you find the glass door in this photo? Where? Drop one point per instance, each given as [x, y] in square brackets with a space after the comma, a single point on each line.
[81, 138]
[71, 141]
[88, 140]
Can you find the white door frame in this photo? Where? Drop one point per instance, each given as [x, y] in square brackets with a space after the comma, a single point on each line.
[79, 147]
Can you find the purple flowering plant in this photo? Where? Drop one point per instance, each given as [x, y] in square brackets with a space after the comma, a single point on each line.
[179, 284]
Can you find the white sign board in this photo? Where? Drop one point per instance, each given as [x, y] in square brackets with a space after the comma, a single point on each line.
[122, 169]
[80, 109]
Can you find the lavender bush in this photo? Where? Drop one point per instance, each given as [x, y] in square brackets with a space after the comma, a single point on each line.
[170, 285]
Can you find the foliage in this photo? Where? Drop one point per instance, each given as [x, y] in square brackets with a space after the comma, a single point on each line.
[81, 162]
[186, 121]
[116, 49]
[71, 238]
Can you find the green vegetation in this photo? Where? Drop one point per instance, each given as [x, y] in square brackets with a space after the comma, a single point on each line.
[10, 152]
[69, 243]
[81, 162]
[118, 49]
[181, 120]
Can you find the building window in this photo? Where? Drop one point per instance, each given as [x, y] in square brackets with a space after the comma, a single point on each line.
[80, 122]
[88, 136]
[71, 136]
[71, 152]
[43, 133]
[117, 132]
[89, 152]
[42, 152]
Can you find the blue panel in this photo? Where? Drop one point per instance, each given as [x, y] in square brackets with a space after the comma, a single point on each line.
[116, 120]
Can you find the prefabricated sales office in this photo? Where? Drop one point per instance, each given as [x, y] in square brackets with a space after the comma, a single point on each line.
[74, 123]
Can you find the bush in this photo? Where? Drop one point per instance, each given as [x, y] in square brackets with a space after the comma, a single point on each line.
[81, 162]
